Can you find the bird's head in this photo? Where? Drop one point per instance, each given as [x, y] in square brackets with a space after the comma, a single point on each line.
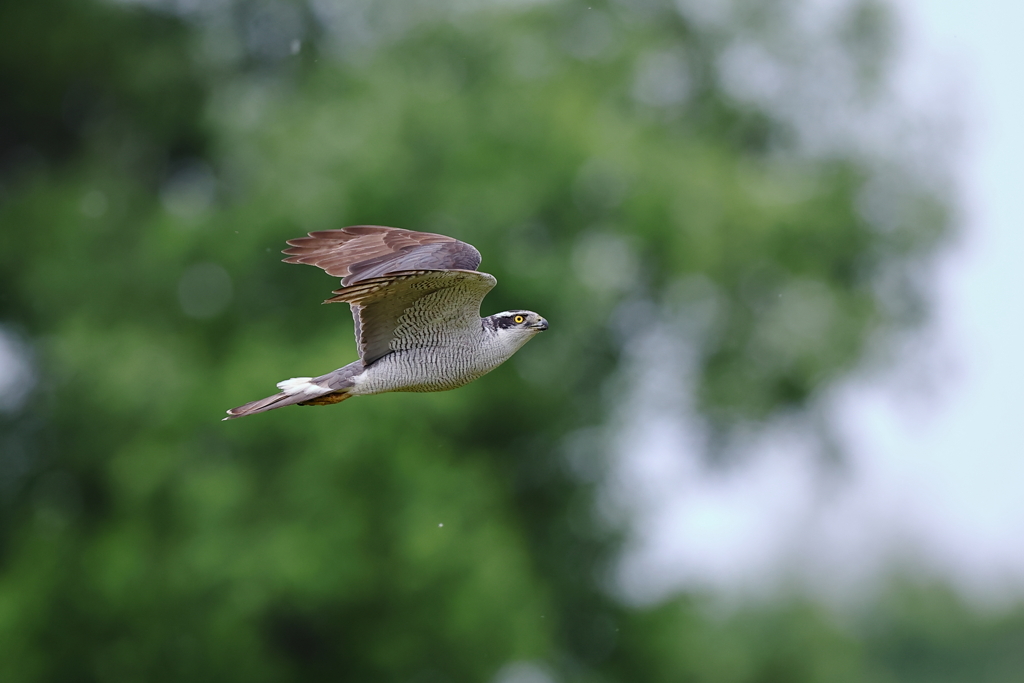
[515, 327]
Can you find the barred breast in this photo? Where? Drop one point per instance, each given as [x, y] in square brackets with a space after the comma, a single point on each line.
[440, 367]
[426, 369]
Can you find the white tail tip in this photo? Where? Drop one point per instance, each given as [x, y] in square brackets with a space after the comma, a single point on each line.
[302, 385]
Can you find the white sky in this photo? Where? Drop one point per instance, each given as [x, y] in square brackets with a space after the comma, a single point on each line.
[937, 473]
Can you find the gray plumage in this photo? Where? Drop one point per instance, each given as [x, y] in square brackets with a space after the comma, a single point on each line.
[415, 299]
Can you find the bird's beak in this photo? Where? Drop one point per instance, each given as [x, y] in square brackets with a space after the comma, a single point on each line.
[540, 325]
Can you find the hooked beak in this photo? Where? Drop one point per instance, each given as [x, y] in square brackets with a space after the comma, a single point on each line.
[540, 325]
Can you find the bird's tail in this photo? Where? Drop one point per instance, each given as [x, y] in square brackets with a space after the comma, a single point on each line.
[306, 391]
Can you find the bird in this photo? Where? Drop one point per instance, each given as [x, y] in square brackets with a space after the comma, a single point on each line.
[415, 299]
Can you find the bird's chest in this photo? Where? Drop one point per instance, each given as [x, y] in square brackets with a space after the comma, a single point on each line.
[428, 369]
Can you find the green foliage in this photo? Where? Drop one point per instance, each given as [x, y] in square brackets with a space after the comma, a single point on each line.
[153, 170]
[927, 633]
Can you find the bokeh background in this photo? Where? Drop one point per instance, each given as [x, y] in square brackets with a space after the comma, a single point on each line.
[739, 218]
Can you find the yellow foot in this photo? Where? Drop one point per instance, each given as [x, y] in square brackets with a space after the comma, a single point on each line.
[327, 399]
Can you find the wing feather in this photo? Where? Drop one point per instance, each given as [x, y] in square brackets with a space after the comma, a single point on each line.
[415, 309]
[407, 289]
[360, 252]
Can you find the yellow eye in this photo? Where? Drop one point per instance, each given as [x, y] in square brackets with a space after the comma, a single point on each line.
[518, 319]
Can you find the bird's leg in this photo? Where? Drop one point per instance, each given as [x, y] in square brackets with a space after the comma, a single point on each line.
[327, 399]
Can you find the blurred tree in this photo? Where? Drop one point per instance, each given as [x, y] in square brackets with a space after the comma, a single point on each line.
[154, 159]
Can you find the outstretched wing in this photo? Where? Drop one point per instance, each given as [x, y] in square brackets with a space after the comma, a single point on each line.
[361, 252]
[407, 289]
[415, 309]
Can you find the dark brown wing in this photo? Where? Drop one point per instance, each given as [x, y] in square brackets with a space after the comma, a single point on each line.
[361, 252]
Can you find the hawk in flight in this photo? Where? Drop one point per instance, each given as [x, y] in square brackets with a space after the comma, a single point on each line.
[415, 298]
